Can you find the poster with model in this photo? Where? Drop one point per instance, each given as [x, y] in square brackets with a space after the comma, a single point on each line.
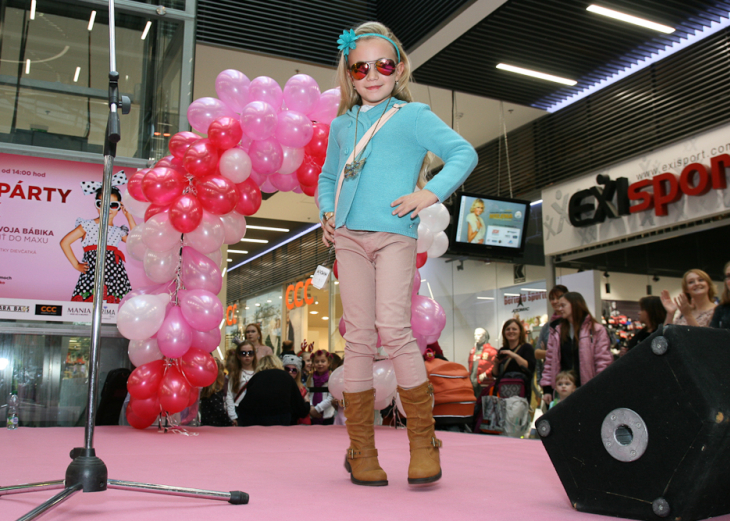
[49, 222]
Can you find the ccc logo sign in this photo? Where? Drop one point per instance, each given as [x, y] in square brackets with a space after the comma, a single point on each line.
[48, 310]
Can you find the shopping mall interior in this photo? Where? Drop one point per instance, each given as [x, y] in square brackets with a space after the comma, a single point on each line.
[602, 133]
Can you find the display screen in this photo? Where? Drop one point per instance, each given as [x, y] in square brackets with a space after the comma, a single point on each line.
[490, 223]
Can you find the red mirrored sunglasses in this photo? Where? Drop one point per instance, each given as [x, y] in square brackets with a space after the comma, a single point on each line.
[384, 66]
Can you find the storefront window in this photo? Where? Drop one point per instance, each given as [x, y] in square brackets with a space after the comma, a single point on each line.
[263, 309]
[54, 64]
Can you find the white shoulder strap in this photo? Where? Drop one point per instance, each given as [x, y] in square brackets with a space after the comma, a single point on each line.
[362, 143]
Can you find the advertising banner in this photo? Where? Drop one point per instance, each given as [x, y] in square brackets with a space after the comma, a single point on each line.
[48, 234]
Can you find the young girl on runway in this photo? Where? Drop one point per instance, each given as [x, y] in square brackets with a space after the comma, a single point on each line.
[370, 212]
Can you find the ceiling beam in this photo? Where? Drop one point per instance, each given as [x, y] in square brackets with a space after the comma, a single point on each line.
[433, 43]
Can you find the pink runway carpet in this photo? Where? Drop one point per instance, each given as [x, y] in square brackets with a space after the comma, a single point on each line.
[291, 473]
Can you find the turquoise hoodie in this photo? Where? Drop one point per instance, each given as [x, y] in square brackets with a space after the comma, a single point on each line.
[394, 157]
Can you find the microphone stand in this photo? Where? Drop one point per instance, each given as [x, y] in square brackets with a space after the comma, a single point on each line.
[87, 472]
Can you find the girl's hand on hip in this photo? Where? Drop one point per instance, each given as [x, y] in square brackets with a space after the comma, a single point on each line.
[83, 267]
[328, 231]
[414, 202]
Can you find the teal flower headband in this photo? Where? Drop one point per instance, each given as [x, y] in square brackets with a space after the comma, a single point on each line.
[347, 41]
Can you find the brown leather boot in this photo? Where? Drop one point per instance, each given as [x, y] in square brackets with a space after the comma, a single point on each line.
[361, 460]
[425, 466]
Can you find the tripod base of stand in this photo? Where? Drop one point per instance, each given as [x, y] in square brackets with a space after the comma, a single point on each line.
[87, 473]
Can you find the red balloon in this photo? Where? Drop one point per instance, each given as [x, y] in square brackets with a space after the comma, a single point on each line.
[186, 212]
[146, 409]
[317, 146]
[249, 197]
[309, 190]
[162, 185]
[180, 142]
[144, 381]
[194, 394]
[137, 422]
[174, 391]
[217, 194]
[421, 259]
[308, 173]
[199, 367]
[153, 210]
[134, 185]
[225, 132]
[334, 269]
[201, 158]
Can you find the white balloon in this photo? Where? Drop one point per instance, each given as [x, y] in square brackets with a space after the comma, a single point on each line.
[425, 238]
[293, 158]
[234, 227]
[384, 383]
[144, 351]
[235, 164]
[135, 207]
[439, 246]
[135, 246]
[208, 236]
[436, 217]
[161, 266]
[142, 316]
[217, 257]
[159, 235]
[336, 382]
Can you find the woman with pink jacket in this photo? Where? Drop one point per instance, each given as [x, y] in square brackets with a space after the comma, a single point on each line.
[576, 342]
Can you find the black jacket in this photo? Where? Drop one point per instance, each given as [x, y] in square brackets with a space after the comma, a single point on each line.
[272, 393]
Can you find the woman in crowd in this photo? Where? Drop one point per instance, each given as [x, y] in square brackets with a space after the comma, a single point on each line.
[253, 337]
[577, 342]
[213, 401]
[273, 397]
[721, 317]
[243, 368]
[293, 365]
[652, 314]
[542, 340]
[696, 303]
[516, 358]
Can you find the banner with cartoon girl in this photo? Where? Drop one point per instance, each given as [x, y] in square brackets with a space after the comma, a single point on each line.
[49, 223]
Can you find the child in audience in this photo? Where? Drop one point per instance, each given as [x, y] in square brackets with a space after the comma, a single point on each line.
[322, 411]
[564, 386]
[293, 365]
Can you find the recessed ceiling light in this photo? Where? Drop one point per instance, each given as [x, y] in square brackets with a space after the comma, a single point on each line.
[32, 9]
[630, 19]
[237, 251]
[485, 298]
[279, 296]
[325, 318]
[337, 282]
[267, 228]
[268, 301]
[229, 260]
[511, 294]
[27, 66]
[76, 74]
[262, 241]
[313, 312]
[146, 30]
[533, 289]
[257, 304]
[535, 74]
[91, 20]
[246, 307]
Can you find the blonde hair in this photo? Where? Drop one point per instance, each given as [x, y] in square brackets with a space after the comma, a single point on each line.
[349, 96]
[477, 202]
[711, 290]
[269, 362]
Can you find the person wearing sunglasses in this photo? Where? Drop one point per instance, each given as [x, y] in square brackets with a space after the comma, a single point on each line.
[240, 372]
[369, 180]
[293, 366]
[116, 281]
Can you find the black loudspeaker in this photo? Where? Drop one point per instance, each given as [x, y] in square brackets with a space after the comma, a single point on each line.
[649, 437]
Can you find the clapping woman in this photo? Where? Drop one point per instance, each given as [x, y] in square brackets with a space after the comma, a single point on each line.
[696, 303]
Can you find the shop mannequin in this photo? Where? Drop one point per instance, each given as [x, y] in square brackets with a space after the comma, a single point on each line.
[481, 360]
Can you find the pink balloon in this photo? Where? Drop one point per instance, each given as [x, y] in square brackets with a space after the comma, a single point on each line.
[217, 257]
[217, 194]
[427, 316]
[134, 185]
[422, 344]
[232, 88]
[135, 246]
[208, 341]
[144, 351]
[284, 183]
[384, 383]
[266, 156]
[336, 382]
[245, 143]
[225, 132]
[201, 158]
[268, 188]
[298, 190]
[180, 142]
[161, 266]
[249, 197]
[145, 380]
[200, 272]
[326, 109]
[142, 316]
[234, 228]
[135, 207]
[341, 326]
[208, 236]
[159, 234]
[301, 93]
[162, 185]
[258, 120]
[201, 309]
[174, 391]
[294, 129]
[186, 212]
[292, 160]
[199, 367]
[203, 111]
[266, 89]
[235, 165]
[175, 336]
[257, 178]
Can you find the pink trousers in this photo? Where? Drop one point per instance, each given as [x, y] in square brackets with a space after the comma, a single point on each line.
[376, 277]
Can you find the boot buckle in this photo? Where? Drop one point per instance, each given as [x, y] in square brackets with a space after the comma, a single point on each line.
[352, 453]
[436, 443]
